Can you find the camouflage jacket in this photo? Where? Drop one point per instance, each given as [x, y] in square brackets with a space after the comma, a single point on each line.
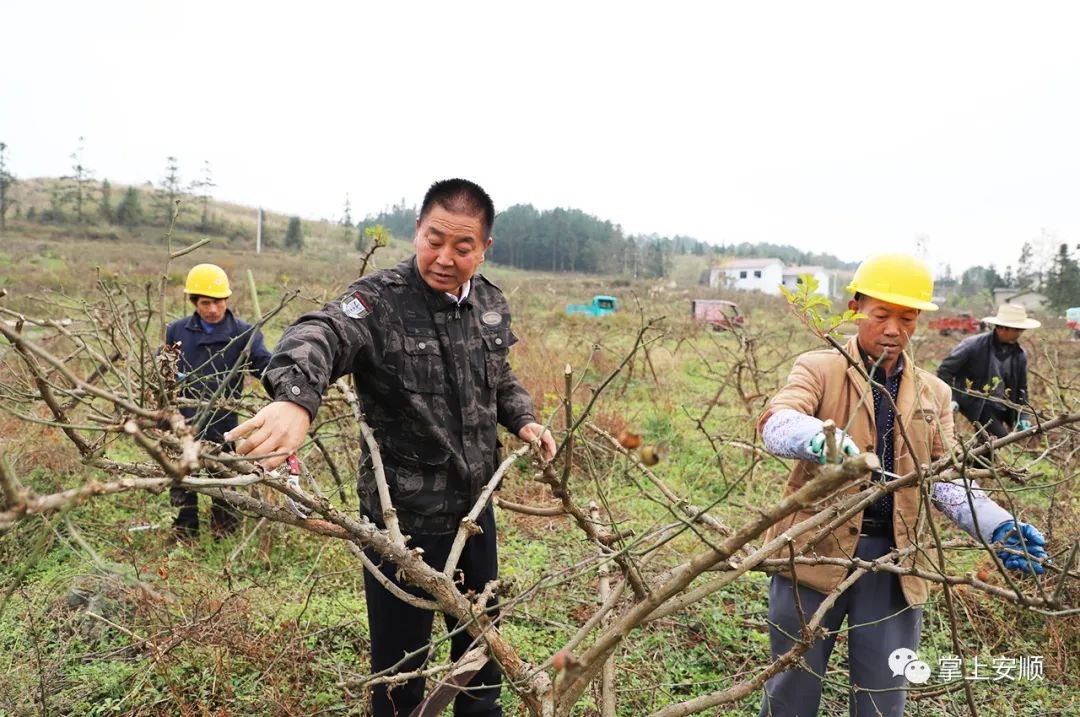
[433, 379]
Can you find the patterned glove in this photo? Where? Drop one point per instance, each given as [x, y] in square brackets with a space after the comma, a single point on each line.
[847, 446]
[1009, 534]
[1023, 424]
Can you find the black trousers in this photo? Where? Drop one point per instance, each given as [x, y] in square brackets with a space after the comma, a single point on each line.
[995, 427]
[398, 629]
[994, 423]
[223, 519]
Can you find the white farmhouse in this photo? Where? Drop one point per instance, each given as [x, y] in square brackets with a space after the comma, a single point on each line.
[749, 274]
[793, 274]
[766, 275]
[1028, 298]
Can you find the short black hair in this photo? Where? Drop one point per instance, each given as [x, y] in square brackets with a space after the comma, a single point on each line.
[463, 197]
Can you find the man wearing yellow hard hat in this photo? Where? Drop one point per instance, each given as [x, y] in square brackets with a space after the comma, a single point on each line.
[212, 343]
[978, 360]
[883, 610]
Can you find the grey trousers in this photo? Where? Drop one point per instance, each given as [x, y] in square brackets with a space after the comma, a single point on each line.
[879, 621]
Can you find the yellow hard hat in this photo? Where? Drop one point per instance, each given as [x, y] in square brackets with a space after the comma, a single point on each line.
[896, 278]
[207, 280]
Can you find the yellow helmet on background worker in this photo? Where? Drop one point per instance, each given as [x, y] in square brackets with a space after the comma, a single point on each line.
[207, 280]
[899, 279]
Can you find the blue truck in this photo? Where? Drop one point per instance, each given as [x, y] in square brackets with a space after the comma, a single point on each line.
[601, 305]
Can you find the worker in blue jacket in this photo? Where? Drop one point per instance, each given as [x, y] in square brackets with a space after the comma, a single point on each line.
[216, 351]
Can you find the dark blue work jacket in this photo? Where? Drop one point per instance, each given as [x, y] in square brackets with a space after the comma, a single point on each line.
[980, 359]
[206, 360]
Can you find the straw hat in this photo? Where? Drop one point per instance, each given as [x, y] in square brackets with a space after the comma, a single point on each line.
[1014, 316]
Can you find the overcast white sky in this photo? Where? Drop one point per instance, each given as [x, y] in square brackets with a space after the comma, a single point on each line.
[844, 127]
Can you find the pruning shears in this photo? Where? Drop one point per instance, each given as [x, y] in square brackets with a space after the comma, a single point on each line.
[887, 474]
[293, 464]
[295, 470]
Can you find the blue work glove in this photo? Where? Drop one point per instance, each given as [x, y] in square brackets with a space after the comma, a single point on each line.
[1007, 534]
[843, 440]
[1023, 424]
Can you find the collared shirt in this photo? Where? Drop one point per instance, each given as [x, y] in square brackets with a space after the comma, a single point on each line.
[465, 289]
[885, 422]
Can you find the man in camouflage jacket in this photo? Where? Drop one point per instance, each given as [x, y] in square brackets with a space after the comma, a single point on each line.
[432, 377]
[427, 344]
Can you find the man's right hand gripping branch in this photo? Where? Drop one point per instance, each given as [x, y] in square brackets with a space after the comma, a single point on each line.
[272, 434]
[843, 440]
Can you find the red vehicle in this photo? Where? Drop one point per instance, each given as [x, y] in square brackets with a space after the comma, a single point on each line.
[1072, 320]
[720, 314]
[962, 323]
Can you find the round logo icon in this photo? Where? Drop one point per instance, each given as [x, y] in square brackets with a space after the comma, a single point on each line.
[917, 672]
[904, 662]
[899, 659]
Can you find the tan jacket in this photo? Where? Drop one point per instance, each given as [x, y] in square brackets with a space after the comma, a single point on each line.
[823, 384]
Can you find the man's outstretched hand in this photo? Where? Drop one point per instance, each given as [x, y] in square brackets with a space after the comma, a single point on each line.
[279, 428]
[529, 433]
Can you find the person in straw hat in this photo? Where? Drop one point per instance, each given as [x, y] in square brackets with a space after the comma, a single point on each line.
[988, 373]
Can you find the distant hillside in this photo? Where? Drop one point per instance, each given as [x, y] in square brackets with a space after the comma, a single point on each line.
[787, 254]
[114, 211]
[570, 240]
[557, 240]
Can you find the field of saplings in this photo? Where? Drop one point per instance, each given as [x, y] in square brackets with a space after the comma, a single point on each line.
[633, 568]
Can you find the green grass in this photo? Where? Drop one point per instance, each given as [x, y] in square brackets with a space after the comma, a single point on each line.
[276, 630]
